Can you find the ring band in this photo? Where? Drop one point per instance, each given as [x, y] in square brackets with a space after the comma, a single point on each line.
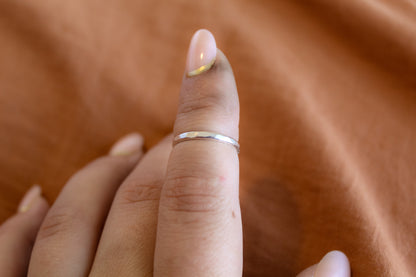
[206, 135]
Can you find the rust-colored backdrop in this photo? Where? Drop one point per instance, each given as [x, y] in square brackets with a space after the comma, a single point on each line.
[328, 112]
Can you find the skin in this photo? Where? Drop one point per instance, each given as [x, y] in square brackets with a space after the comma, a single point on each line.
[169, 212]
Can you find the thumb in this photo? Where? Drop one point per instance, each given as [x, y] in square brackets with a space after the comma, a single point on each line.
[199, 229]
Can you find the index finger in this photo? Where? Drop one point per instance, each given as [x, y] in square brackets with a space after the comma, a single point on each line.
[199, 229]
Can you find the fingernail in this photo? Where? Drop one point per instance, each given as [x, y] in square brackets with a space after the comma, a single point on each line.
[30, 197]
[333, 264]
[202, 52]
[127, 145]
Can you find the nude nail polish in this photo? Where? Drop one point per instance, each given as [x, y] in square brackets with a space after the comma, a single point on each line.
[29, 198]
[333, 264]
[127, 145]
[201, 54]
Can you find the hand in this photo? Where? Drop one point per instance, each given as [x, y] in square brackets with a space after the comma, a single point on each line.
[169, 212]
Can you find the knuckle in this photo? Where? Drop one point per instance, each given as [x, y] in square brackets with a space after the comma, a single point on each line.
[57, 223]
[203, 103]
[136, 191]
[209, 100]
[194, 194]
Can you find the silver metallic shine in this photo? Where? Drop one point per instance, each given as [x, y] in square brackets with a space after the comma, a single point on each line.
[206, 135]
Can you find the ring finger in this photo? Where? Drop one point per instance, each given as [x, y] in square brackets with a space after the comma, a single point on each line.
[67, 240]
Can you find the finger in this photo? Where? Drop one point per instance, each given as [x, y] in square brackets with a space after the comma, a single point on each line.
[333, 264]
[18, 234]
[199, 228]
[67, 240]
[308, 272]
[127, 243]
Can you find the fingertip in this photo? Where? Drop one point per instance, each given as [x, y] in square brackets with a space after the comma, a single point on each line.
[128, 145]
[18, 233]
[201, 53]
[30, 217]
[40, 207]
[26, 222]
[209, 101]
[28, 199]
[308, 272]
[333, 264]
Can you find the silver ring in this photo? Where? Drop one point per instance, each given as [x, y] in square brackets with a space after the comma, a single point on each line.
[206, 135]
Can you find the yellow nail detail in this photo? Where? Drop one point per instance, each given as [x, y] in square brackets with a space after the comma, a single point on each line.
[24, 209]
[30, 197]
[201, 69]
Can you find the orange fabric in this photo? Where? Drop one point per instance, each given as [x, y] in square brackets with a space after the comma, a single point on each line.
[327, 91]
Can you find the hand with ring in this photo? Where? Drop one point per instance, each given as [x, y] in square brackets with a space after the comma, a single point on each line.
[173, 211]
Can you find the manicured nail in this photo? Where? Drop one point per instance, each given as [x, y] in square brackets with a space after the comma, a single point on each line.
[127, 145]
[202, 52]
[333, 264]
[30, 197]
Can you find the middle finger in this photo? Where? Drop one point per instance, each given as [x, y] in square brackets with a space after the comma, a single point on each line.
[127, 243]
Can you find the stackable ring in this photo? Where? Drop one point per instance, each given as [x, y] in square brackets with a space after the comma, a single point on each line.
[200, 135]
